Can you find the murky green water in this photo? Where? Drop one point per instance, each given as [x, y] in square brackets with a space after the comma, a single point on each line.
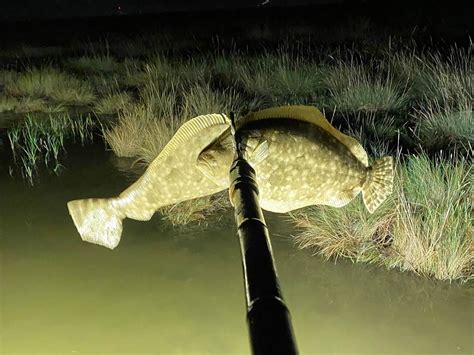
[177, 291]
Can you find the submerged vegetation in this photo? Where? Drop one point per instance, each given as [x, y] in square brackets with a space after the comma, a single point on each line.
[398, 99]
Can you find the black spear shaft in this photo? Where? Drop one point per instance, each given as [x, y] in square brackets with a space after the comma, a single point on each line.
[267, 314]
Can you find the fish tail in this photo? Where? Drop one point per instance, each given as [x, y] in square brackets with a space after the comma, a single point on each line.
[379, 183]
[98, 220]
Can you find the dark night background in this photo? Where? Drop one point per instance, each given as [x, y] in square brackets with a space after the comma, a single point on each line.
[53, 21]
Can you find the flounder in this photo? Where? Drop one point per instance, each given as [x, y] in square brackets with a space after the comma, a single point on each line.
[300, 159]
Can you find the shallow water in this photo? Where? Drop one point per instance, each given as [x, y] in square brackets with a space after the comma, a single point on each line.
[166, 290]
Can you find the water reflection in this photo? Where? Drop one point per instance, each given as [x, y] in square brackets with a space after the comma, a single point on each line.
[166, 290]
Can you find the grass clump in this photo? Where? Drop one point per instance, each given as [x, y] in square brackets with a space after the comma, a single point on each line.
[8, 103]
[196, 210]
[424, 226]
[280, 79]
[445, 127]
[40, 140]
[433, 235]
[112, 103]
[126, 137]
[50, 83]
[354, 87]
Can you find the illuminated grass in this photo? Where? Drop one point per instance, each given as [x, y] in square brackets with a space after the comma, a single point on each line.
[196, 210]
[424, 226]
[51, 84]
[8, 104]
[201, 99]
[433, 79]
[280, 79]
[112, 103]
[445, 127]
[353, 87]
[125, 138]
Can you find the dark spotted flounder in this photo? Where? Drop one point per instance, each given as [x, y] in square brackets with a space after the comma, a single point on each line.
[299, 157]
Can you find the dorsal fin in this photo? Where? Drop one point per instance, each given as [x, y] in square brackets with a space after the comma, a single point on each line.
[307, 114]
[190, 129]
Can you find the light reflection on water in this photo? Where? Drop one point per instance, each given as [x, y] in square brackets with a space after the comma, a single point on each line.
[172, 291]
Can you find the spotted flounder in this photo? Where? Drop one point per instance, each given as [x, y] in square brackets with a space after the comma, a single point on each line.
[299, 157]
[172, 177]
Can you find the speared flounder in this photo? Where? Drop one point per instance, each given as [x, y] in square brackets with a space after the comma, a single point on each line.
[171, 178]
[299, 157]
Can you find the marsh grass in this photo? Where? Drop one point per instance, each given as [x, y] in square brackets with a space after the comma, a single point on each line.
[8, 104]
[433, 235]
[196, 210]
[280, 78]
[424, 226]
[432, 78]
[40, 140]
[112, 103]
[445, 127]
[50, 83]
[356, 87]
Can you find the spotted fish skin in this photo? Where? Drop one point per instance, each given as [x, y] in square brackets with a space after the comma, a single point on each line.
[300, 160]
[304, 165]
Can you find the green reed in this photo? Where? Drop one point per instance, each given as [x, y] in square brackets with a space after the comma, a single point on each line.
[39, 141]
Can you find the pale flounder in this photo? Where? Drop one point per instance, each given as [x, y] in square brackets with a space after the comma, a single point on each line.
[300, 159]
[171, 178]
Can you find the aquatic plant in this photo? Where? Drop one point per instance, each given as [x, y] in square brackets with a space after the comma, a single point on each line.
[41, 139]
[423, 227]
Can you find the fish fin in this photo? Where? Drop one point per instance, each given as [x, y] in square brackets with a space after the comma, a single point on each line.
[204, 165]
[192, 128]
[312, 115]
[260, 153]
[379, 183]
[97, 220]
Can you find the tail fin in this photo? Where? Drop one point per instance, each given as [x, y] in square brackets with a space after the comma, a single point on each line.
[97, 220]
[379, 183]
